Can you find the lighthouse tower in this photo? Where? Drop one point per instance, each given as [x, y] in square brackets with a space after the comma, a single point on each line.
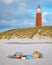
[38, 16]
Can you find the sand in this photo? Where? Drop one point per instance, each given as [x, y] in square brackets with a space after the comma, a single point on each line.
[9, 48]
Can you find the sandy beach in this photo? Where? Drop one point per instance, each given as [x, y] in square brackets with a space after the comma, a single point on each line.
[8, 48]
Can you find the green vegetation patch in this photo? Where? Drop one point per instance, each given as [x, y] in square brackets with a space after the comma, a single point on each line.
[27, 32]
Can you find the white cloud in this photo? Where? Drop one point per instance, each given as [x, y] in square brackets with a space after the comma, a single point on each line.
[30, 11]
[7, 1]
[50, 0]
[29, 22]
[47, 18]
[44, 20]
[15, 1]
[45, 13]
[22, 8]
[43, 17]
[18, 23]
[5, 23]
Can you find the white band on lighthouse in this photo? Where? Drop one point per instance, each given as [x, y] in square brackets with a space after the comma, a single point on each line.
[39, 10]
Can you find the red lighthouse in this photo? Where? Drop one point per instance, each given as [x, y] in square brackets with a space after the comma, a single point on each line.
[38, 16]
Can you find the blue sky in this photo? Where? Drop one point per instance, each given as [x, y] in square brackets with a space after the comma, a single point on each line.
[22, 13]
